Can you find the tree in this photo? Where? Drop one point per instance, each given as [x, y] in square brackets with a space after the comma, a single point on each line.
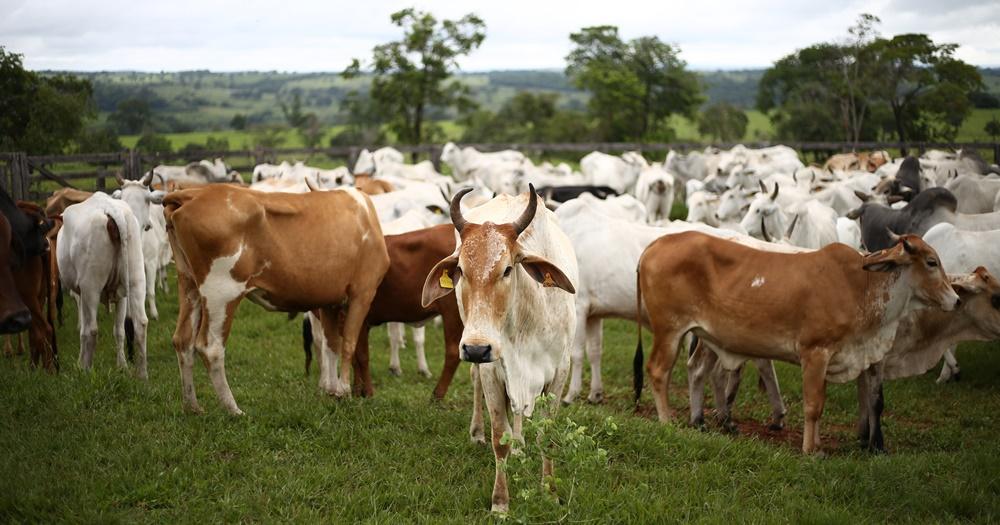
[409, 74]
[133, 115]
[101, 139]
[40, 114]
[723, 122]
[634, 85]
[152, 143]
[364, 124]
[992, 128]
[526, 117]
[239, 122]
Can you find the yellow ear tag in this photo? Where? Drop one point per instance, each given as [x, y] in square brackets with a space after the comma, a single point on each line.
[548, 282]
[446, 281]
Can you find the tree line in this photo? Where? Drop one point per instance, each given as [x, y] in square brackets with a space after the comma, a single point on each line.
[861, 87]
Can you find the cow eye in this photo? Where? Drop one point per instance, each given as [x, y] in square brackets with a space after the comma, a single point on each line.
[932, 263]
[506, 273]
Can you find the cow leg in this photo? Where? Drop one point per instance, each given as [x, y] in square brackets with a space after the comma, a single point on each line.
[949, 367]
[870, 404]
[118, 329]
[699, 364]
[362, 375]
[86, 304]
[548, 410]
[331, 319]
[137, 313]
[497, 403]
[476, 426]
[357, 310]
[765, 371]
[188, 318]
[452, 336]
[419, 338]
[660, 367]
[814, 363]
[576, 358]
[151, 290]
[397, 339]
[214, 331]
[725, 386]
[595, 348]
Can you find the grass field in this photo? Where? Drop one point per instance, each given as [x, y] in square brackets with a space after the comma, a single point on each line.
[105, 447]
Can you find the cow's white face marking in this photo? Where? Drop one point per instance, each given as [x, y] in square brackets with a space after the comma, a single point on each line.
[757, 282]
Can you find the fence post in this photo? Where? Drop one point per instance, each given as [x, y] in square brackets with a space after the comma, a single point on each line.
[101, 173]
[352, 157]
[436, 158]
[996, 153]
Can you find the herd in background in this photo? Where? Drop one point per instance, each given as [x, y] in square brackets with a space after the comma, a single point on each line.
[843, 263]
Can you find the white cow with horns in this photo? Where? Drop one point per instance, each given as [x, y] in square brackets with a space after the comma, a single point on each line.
[513, 275]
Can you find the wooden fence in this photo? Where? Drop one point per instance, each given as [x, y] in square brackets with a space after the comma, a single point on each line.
[23, 175]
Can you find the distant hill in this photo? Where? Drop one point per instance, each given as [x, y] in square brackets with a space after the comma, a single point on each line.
[203, 100]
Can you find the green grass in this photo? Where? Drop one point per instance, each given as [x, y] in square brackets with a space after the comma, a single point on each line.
[105, 447]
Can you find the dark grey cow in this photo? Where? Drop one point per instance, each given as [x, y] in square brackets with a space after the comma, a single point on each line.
[925, 210]
[565, 193]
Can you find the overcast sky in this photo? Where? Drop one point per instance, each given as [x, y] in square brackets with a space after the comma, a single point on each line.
[323, 35]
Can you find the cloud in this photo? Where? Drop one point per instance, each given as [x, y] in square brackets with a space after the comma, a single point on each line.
[314, 35]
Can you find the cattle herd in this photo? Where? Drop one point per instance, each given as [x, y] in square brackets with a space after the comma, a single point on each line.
[839, 268]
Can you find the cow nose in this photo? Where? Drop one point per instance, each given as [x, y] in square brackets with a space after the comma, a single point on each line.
[476, 353]
[18, 322]
[148, 226]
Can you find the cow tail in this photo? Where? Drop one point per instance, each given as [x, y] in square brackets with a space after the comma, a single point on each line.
[59, 301]
[49, 314]
[120, 274]
[637, 377]
[129, 339]
[307, 341]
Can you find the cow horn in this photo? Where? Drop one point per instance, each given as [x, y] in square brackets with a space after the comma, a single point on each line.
[148, 178]
[118, 177]
[763, 189]
[791, 226]
[456, 209]
[162, 180]
[524, 220]
[775, 194]
[763, 230]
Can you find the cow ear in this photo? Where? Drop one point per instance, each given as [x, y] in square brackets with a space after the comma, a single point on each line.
[156, 197]
[884, 261]
[546, 273]
[855, 213]
[117, 194]
[440, 281]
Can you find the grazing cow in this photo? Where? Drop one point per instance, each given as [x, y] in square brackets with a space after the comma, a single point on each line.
[99, 251]
[607, 290]
[655, 189]
[975, 193]
[620, 173]
[921, 340]
[724, 292]
[963, 251]
[26, 260]
[286, 252]
[510, 274]
[398, 300]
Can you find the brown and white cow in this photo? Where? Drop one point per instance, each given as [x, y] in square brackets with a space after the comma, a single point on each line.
[833, 311]
[863, 161]
[510, 274]
[412, 255]
[285, 252]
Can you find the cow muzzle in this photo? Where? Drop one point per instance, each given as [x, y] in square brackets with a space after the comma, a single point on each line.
[18, 322]
[477, 353]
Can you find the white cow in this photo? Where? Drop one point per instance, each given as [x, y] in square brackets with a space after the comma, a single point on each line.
[99, 252]
[465, 161]
[620, 173]
[511, 272]
[394, 204]
[806, 224]
[369, 163]
[975, 193]
[145, 206]
[655, 189]
[963, 251]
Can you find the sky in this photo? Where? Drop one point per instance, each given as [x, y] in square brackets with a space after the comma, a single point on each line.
[324, 35]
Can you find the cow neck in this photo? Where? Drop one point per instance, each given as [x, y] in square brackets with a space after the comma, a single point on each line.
[886, 297]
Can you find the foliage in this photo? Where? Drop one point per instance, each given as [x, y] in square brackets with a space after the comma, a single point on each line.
[98, 139]
[527, 117]
[992, 128]
[723, 122]
[212, 143]
[133, 115]
[634, 86]
[151, 142]
[239, 122]
[906, 85]
[267, 137]
[409, 74]
[40, 114]
[984, 100]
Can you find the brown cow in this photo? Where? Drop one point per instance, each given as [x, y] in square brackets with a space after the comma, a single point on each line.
[286, 252]
[32, 280]
[863, 161]
[411, 256]
[14, 315]
[372, 186]
[833, 311]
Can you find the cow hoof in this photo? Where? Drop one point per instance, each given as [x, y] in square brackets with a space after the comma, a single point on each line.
[957, 376]
[236, 412]
[426, 373]
[729, 426]
[699, 423]
[499, 508]
[194, 409]
[596, 398]
[478, 439]
[395, 371]
[776, 426]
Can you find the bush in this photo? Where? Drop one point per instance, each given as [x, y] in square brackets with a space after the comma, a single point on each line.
[101, 139]
[150, 142]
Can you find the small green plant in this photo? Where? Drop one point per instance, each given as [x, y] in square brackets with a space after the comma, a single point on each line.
[573, 448]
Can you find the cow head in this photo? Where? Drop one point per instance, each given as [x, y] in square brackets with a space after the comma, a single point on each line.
[138, 195]
[920, 265]
[486, 273]
[733, 203]
[701, 207]
[765, 218]
[979, 293]
[14, 315]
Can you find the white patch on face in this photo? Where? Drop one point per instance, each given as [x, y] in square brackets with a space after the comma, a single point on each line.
[757, 282]
[219, 289]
